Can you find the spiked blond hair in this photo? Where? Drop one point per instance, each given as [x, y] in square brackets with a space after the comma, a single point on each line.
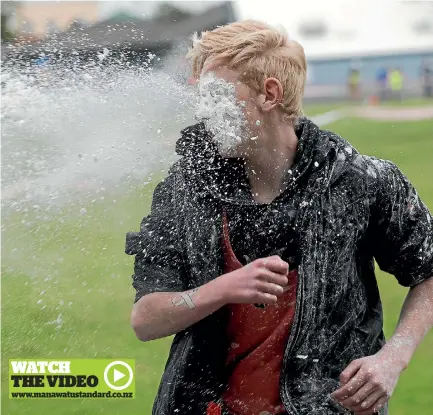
[258, 51]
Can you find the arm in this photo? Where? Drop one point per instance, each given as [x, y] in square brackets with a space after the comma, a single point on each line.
[159, 269]
[368, 383]
[165, 313]
[416, 320]
[402, 243]
[405, 249]
[162, 314]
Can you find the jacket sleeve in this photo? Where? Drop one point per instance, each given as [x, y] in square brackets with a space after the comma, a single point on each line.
[159, 265]
[402, 227]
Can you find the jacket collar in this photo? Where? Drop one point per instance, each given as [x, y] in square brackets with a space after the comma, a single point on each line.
[225, 179]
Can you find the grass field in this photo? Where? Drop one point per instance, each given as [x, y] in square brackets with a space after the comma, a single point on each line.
[66, 284]
[315, 109]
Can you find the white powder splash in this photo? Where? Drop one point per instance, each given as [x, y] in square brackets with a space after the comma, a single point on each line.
[77, 135]
[98, 126]
[221, 112]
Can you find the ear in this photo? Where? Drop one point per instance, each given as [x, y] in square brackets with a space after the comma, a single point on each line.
[273, 94]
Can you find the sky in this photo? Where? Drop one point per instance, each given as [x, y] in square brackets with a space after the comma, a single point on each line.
[355, 26]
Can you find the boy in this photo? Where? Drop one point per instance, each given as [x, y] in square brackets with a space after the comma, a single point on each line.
[259, 249]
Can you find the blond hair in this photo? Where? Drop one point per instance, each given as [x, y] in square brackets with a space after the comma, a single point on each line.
[259, 51]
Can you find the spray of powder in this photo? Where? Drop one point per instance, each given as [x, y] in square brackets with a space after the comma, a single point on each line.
[98, 127]
[221, 111]
[81, 138]
[76, 135]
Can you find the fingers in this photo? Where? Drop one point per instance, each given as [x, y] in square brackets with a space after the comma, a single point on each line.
[370, 409]
[353, 385]
[273, 278]
[274, 264]
[350, 371]
[265, 298]
[371, 400]
[358, 397]
[270, 288]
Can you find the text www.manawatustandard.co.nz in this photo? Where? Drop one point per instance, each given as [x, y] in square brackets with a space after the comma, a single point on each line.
[72, 394]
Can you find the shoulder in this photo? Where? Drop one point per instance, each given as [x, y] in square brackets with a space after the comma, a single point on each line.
[172, 179]
[166, 191]
[364, 173]
[383, 180]
[372, 169]
[378, 171]
[348, 165]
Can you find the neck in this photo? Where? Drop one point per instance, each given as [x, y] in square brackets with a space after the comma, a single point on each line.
[267, 166]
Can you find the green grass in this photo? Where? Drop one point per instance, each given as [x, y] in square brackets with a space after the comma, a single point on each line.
[75, 264]
[411, 102]
[316, 109]
[311, 110]
[83, 257]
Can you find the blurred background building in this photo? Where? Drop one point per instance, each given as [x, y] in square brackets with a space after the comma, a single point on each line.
[352, 47]
[37, 19]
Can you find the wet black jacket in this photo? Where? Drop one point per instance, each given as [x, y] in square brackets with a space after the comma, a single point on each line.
[350, 208]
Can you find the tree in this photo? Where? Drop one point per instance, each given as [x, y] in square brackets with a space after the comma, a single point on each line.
[169, 12]
[8, 9]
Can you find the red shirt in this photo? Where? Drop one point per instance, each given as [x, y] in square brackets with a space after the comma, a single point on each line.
[258, 337]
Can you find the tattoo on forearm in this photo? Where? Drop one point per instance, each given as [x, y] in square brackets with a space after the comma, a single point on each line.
[186, 299]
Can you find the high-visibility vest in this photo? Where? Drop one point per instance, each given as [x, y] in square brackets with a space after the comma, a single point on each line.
[396, 80]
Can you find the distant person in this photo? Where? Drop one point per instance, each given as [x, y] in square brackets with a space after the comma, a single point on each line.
[382, 82]
[427, 78]
[259, 249]
[41, 61]
[353, 83]
[396, 83]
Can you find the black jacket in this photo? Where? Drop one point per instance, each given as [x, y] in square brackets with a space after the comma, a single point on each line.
[351, 208]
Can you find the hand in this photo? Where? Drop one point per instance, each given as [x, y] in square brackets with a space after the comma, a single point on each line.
[262, 281]
[368, 383]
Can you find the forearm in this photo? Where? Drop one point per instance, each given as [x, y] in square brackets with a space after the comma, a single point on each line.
[416, 319]
[162, 314]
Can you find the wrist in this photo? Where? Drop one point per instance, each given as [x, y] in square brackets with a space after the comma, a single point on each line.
[219, 291]
[398, 352]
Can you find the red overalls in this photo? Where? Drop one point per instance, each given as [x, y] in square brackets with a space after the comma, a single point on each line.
[258, 337]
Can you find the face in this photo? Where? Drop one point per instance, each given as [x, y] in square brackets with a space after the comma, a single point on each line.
[230, 110]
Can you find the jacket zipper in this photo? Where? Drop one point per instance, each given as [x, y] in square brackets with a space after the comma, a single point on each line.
[289, 348]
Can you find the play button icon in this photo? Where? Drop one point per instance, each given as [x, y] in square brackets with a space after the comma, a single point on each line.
[114, 375]
[118, 375]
